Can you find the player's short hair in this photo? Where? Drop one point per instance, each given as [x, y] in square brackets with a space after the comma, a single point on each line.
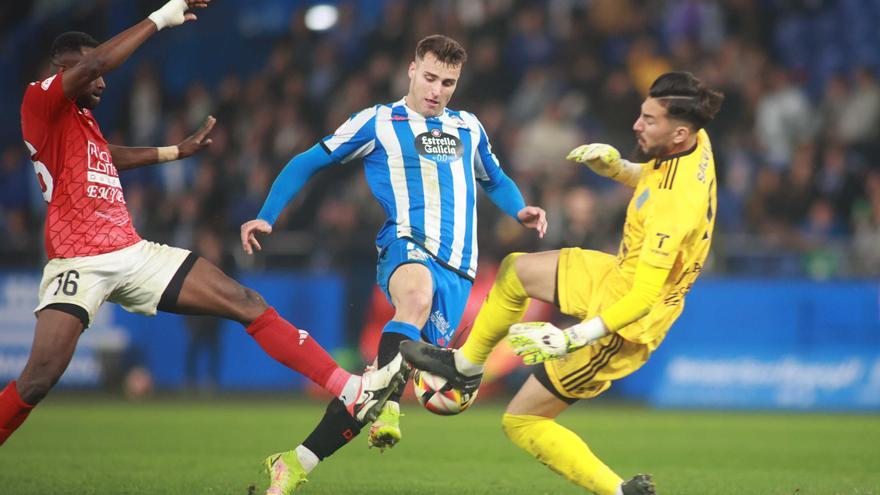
[446, 49]
[71, 41]
[686, 98]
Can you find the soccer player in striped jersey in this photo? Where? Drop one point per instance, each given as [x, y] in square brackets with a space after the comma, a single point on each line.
[627, 302]
[423, 162]
[95, 254]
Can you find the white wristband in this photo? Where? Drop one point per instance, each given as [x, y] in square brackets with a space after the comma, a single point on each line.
[586, 332]
[169, 15]
[168, 153]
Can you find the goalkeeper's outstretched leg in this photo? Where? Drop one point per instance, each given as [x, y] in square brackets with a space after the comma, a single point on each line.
[521, 277]
[529, 422]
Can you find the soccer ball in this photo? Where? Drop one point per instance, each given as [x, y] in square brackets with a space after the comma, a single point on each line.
[438, 396]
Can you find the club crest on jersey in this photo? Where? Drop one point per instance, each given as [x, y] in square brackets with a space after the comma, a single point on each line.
[439, 146]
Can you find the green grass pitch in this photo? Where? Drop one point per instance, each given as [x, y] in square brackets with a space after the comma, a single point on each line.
[169, 447]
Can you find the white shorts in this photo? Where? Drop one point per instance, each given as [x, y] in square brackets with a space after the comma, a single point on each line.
[134, 277]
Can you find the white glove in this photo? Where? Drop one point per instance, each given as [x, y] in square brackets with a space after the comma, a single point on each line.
[605, 160]
[169, 15]
[539, 341]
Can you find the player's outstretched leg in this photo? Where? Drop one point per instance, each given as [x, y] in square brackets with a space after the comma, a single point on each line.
[341, 423]
[385, 431]
[377, 386]
[520, 278]
[412, 290]
[529, 423]
[199, 287]
[640, 484]
[286, 473]
[439, 361]
[55, 338]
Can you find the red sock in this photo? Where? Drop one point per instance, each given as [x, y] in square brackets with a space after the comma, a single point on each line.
[297, 350]
[13, 411]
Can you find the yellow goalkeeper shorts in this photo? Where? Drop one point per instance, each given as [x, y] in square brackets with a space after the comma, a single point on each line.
[587, 283]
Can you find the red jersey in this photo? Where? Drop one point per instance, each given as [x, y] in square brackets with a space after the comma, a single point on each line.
[87, 214]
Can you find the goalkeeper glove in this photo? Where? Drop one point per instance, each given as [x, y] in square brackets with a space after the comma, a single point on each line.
[605, 160]
[537, 342]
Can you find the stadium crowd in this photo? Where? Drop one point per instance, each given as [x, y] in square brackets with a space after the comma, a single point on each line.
[796, 141]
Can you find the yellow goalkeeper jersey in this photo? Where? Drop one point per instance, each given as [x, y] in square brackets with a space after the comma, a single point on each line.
[669, 224]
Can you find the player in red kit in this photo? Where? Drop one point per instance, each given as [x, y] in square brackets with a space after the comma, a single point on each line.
[95, 254]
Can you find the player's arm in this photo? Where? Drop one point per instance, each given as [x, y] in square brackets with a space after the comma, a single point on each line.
[288, 183]
[605, 160]
[110, 54]
[125, 158]
[503, 191]
[355, 138]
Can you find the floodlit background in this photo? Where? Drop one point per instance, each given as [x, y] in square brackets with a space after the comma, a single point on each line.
[785, 316]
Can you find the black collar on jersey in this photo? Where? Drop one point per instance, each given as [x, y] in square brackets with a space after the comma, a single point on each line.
[680, 154]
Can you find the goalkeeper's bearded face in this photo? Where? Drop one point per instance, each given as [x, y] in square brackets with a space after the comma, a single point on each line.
[431, 84]
[657, 134]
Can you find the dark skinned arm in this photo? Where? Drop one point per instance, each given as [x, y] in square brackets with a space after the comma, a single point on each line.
[125, 158]
[110, 54]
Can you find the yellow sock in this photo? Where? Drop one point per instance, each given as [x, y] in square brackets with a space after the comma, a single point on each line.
[506, 305]
[561, 450]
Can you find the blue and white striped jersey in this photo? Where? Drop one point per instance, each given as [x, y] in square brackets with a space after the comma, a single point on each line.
[423, 171]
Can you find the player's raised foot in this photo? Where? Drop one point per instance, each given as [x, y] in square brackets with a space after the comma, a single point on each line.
[441, 362]
[385, 431]
[376, 386]
[640, 484]
[285, 473]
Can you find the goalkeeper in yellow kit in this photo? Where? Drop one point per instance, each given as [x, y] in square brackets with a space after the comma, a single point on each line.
[626, 303]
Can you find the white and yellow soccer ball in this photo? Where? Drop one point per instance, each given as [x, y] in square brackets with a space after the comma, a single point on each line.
[438, 396]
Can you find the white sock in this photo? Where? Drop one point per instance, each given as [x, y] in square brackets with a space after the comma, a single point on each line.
[619, 489]
[351, 389]
[465, 366]
[307, 459]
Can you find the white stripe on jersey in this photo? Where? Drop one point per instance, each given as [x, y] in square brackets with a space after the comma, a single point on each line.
[479, 168]
[459, 188]
[347, 130]
[360, 152]
[431, 187]
[475, 250]
[386, 136]
[479, 174]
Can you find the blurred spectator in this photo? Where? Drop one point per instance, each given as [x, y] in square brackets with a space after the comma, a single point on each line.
[837, 179]
[867, 227]
[798, 133]
[832, 110]
[700, 21]
[798, 189]
[617, 110]
[783, 119]
[539, 155]
[861, 124]
[645, 64]
[145, 106]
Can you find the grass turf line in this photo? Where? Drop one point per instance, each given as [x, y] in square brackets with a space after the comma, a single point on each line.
[215, 447]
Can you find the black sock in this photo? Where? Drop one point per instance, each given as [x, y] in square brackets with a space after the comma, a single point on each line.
[389, 348]
[336, 429]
